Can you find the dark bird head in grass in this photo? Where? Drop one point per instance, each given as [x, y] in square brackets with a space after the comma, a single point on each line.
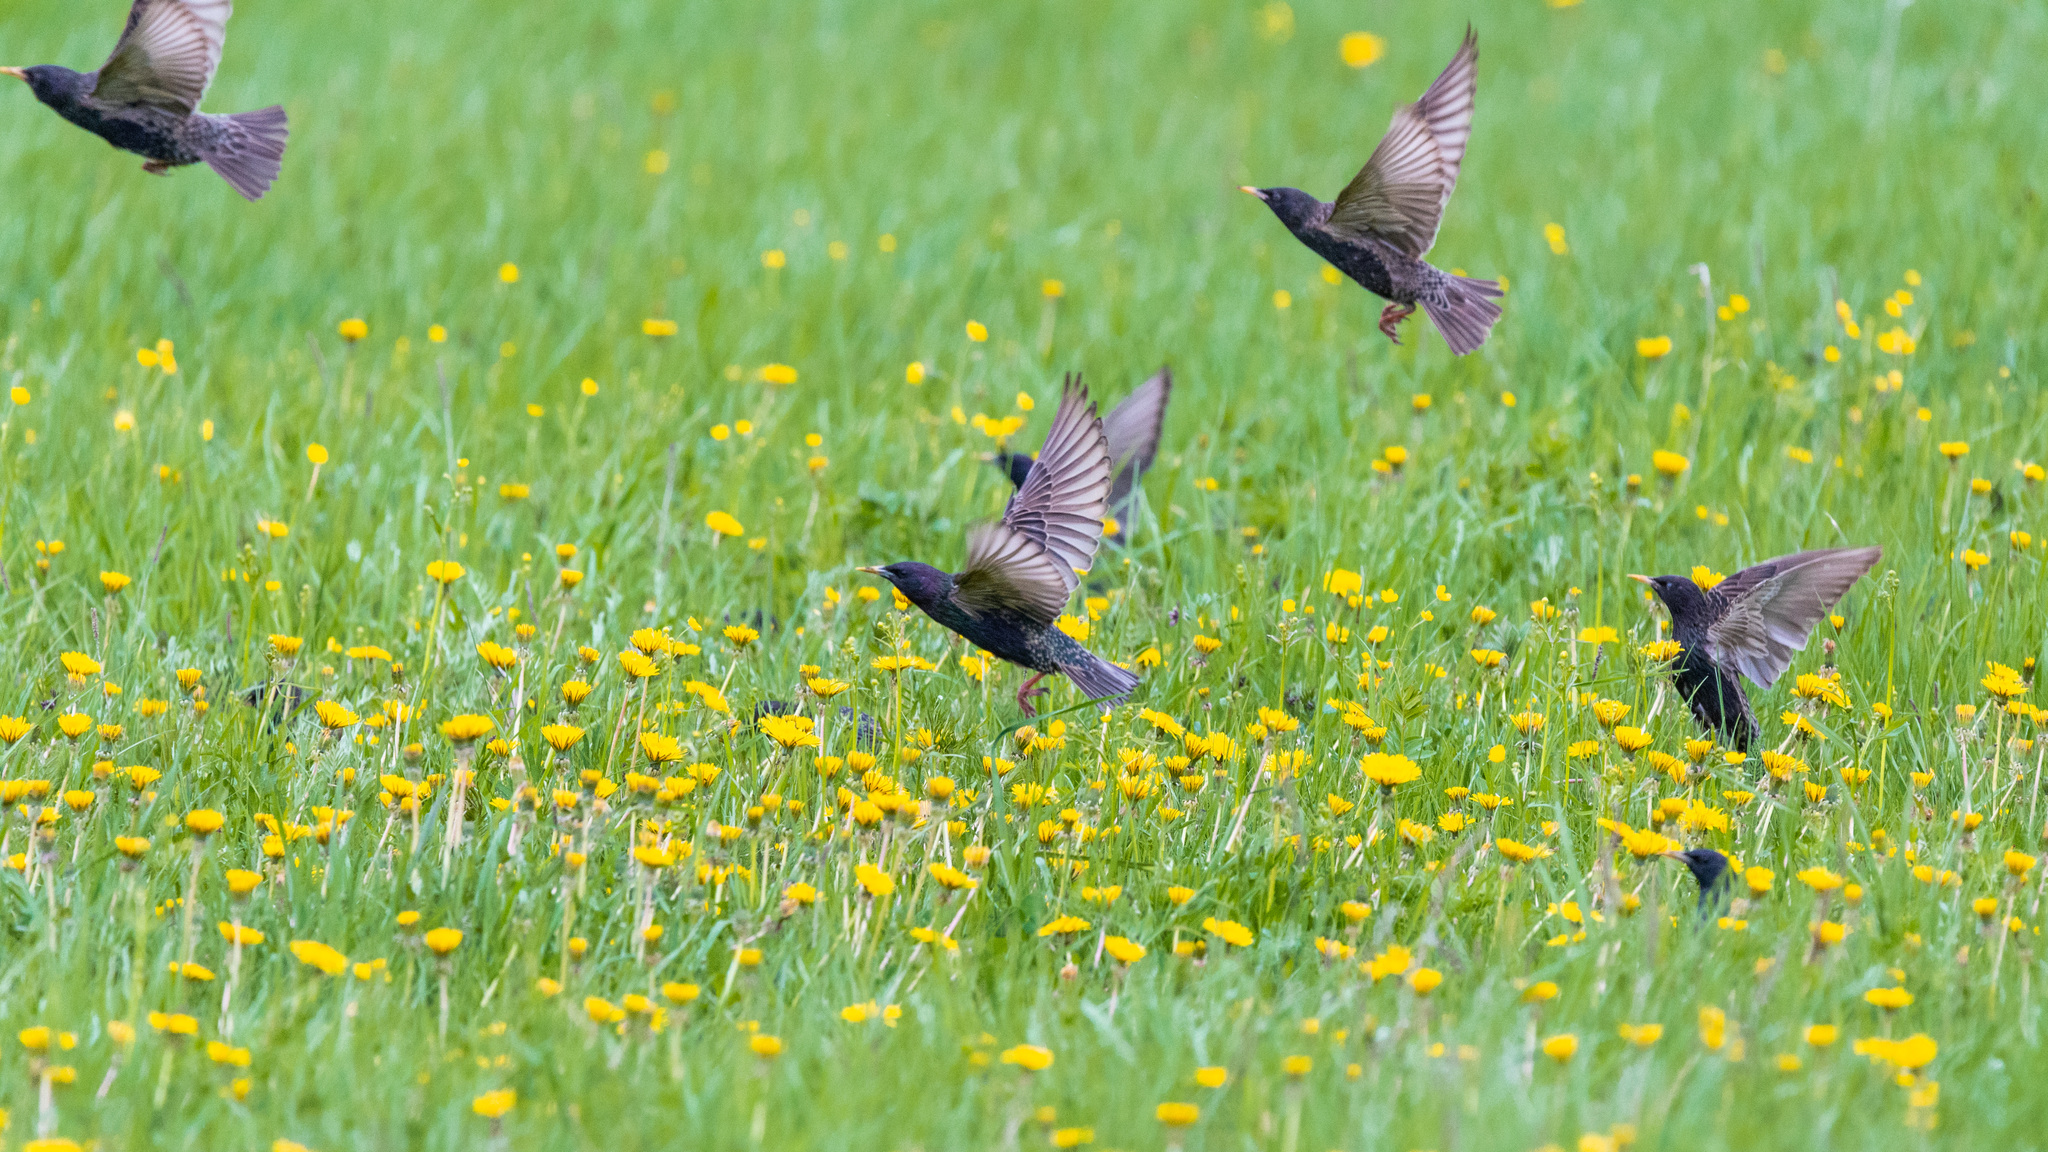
[1710, 869]
[1680, 595]
[1015, 465]
[867, 733]
[278, 700]
[921, 584]
[1295, 208]
[1132, 430]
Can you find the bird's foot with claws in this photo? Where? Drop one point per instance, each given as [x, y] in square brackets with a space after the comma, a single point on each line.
[157, 168]
[1391, 317]
[1030, 688]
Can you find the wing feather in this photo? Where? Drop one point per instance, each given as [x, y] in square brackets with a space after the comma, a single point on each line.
[167, 54]
[1062, 502]
[1400, 194]
[1008, 571]
[1767, 611]
[1132, 429]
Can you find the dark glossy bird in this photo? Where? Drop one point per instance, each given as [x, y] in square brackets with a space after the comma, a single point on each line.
[278, 700]
[1132, 429]
[867, 733]
[145, 98]
[1710, 869]
[1021, 570]
[1385, 221]
[1748, 626]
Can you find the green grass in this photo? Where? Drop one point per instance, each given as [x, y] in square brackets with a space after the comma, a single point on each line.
[1002, 146]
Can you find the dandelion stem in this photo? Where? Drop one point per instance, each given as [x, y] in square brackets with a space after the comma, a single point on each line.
[190, 902]
[568, 914]
[457, 805]
[227, 992]
[1699, 420]
[163, 1076]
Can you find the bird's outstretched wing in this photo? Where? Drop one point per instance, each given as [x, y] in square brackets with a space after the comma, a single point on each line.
[1399, 195]
[1008, 571]
[1132, 429]
[1061, 503]
[1766, 612]
[167, 54]
[1032, 560]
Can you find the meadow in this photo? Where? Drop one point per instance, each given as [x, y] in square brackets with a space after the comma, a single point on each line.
[395, 568]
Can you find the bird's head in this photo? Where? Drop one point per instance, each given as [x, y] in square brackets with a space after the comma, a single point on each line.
[1015, 465]
[48, 81]
[921, 584]
[1678, 593]
[1294, 207]
[1707, 866]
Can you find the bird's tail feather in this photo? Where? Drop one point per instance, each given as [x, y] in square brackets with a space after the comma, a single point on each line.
[250, 150]
[1467, 314]
[1098, 679]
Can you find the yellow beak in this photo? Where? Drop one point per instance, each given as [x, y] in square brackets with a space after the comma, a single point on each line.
[1644, 579]
[17, 73]
[1251, 191]
[872, 571]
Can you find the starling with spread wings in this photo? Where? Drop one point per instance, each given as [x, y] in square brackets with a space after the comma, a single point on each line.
[1132, 429]
[1384, 222]
[1748, 626]
[145, 98]
[1021, 570]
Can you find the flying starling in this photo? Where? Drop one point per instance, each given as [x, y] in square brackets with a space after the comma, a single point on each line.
[145, 98]
[1385, 220]
[1132, 429]
[1021, 570]
[1749, 625]
[1710, 869]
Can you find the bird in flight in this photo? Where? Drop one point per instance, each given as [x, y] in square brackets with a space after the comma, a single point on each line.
[1748, 626]
[145, 98]
[1385, 221]
[1132, 429]
[1021, 570]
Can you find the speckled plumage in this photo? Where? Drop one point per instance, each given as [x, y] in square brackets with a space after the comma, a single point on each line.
[1376, 266]
[1005, 635]
[1712, 692]
[1021, 571]
[1750, 625]
[145, 98]
[1385, 221]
